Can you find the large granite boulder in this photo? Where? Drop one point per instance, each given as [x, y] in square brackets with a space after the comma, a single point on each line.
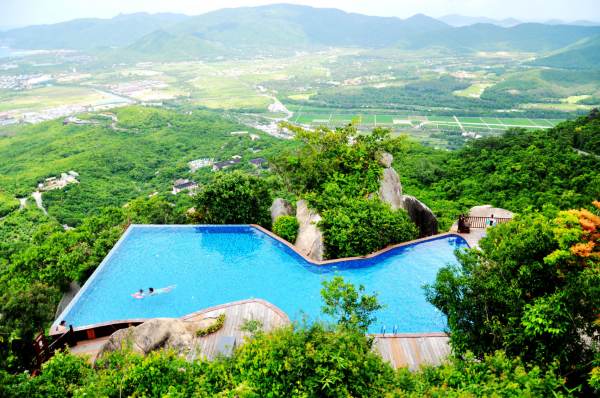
[280, 207]
[390, 188]
[310, 238]
[421, 215]
[385, 159]
[153, 335]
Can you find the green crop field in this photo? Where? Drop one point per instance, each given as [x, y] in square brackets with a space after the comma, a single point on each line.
[315, 117]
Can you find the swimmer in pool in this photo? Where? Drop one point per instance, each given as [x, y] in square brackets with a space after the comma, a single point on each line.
[152, 292]
[162, 290]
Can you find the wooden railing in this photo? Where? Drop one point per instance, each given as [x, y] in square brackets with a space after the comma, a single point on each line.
[484, 222]
[45, 351]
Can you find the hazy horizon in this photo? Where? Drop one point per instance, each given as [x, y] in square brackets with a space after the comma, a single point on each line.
[19, 13]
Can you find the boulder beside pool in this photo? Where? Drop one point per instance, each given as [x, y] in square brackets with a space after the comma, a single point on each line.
[310, 238]
[279, 208]
[152, 335]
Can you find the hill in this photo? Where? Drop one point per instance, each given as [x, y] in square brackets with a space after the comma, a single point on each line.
[531, 37]
[585, 55]
[87, 34]
[147, 153]
[290, 28]
[285, 28]
[462, 20]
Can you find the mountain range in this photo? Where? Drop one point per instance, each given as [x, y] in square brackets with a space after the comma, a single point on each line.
[462, 20]
[289, 28]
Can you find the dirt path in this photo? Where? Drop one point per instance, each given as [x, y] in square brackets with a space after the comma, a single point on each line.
[37, 195]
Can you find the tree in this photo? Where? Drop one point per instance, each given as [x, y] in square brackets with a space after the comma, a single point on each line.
[351, 307]
[533, 290]
[25, 310]
[359, 226]
[235, 198]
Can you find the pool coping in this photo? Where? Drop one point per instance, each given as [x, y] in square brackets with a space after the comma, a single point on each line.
[54, 327]
[365, 257]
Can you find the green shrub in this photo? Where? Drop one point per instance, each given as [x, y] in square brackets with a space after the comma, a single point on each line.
[215, 327]
[235, 198]
[8, 204]
[286, 227]
[359, 226]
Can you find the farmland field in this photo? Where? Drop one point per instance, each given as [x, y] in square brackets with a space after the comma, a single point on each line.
[403, 121]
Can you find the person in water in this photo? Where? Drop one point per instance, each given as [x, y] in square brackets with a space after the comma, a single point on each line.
[152, 292]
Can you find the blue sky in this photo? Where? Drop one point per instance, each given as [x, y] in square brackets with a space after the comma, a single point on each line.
[28, 12]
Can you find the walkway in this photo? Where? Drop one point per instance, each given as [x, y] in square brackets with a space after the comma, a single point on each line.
[485, 211]
[37, 195]
[413, 350]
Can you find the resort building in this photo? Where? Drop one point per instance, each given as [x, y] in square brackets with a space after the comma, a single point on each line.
[184, 185]
[259, 162]
[200, 163]
[65, 179]
[226, 163]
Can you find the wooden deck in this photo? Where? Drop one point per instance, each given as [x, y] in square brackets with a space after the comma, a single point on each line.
[236, 314]
[207, 347]
[412, 351]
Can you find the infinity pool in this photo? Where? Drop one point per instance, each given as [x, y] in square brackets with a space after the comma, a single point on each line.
[213, 265]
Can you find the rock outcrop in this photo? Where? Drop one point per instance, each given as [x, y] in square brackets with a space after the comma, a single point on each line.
[421, 215]
[390, 192]
[310, 237]
[153, 335]
[280, 207]
[390, 188]
[385, 159]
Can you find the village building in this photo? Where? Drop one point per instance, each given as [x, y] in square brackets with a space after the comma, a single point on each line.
[226, 163]
[259, 162]
[200, 163]
[65, 179]
[184, 185]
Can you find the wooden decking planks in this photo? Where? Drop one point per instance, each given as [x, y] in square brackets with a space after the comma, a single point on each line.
[236, 314]
[407, 350]
[412, 351]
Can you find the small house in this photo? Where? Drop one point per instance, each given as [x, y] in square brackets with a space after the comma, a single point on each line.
[259, 162]
[184, 185]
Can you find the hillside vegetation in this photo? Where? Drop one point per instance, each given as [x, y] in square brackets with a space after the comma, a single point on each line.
[521, 171]
[148, 151]
[532, 348]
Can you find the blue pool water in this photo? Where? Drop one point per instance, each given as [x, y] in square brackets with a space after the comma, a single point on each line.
[212, 265]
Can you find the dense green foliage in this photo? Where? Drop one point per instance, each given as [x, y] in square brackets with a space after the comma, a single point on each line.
[235, 198]
[349, 306]
[358, 226]
[533, 290]
[518, 171]
[338, 172]
[286, 227]
[7, 204]
[148, 152]
[305, 362]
